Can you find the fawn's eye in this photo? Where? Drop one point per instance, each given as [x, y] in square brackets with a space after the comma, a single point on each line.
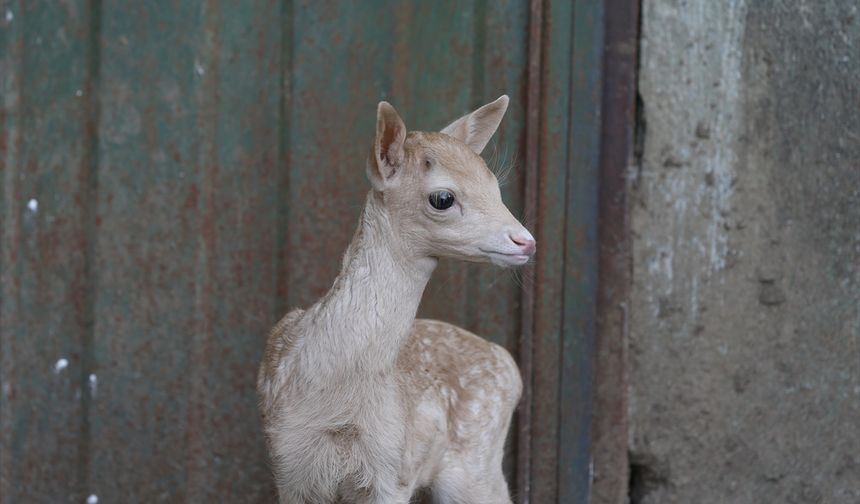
[441, 200]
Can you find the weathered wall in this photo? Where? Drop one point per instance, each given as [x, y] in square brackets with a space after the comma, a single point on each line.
[745, 318]
[175, 176]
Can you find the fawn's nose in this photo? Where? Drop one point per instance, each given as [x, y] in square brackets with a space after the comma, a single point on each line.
[525, 241]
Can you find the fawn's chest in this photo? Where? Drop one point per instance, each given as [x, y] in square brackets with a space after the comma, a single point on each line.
[350, 433]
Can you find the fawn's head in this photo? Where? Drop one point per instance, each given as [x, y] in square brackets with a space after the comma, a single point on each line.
[441, 198]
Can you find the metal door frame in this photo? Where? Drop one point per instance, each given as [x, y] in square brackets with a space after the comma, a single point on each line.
[602, 42]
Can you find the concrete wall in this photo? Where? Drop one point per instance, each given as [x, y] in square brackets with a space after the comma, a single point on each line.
[745, 310]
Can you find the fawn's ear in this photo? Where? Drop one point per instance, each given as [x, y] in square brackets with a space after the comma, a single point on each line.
[476, 128]
[388, 154]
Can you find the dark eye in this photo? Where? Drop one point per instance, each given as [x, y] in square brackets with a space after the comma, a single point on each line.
[441, 200]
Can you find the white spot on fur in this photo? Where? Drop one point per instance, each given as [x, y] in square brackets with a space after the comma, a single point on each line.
[9, 16]
[60, 365]
[79, 93]
[92, 499]
[198, 68]
[33, 205]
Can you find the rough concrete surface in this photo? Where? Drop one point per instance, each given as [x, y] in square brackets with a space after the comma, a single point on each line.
[745, 320]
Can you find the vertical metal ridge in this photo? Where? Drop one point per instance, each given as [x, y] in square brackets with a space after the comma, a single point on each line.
[478, 68]
[610, 427]
[566, 249]
[576, 366]
[530, 194]
[281, 305]
[479, 29]
[10, 232]
[89, 202]
[207, 171]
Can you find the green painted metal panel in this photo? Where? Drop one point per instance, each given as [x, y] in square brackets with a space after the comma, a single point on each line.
[580, 265]
[145, 251]
[44, 312]
[339, 71]
[419, 56]
[563, 312]
[199, 170]
[549, 284]
[504, 46]
[448, 36]
[185, 293]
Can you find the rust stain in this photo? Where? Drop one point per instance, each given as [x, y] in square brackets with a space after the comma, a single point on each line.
[534, 101]
[610, 427]
[191, 197]
[221, 213]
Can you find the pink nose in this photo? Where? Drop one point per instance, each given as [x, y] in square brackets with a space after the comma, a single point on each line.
[526, 242]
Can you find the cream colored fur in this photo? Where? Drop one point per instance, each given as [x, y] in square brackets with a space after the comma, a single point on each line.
[363, 403]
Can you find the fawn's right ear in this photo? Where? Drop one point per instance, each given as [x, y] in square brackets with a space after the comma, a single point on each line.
[388, 154]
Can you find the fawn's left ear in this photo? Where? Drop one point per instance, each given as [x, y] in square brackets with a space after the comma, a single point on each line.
[388, 153]
[476, 128]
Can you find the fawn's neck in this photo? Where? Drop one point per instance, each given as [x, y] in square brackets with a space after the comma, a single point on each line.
[359, 326]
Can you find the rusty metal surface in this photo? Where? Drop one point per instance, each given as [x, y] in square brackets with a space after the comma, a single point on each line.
[45, 131]
[183, 255]
[581, 251]
[610, 431]
[198, 169]
[430, 83]
[565, 101]
[524, 354]
[548, 281]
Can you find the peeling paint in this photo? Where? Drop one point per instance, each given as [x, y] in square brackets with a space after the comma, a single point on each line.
[695, 176]
[94, 384]
[60, 365]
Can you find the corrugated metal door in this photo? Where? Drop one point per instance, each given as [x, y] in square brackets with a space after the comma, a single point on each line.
[176, 175]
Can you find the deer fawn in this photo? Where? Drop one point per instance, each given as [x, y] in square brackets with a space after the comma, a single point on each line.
[363, 403]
